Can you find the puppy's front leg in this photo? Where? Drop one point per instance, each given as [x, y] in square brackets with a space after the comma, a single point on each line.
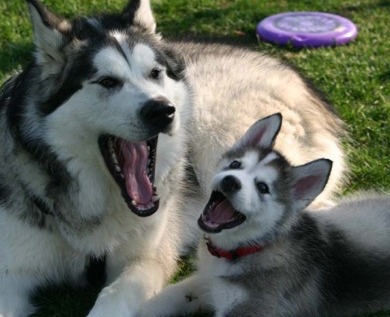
[186, 297]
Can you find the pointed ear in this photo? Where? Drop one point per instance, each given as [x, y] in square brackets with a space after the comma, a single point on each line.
[49, 34]
[140, 12]
[262, 133]
[309, 180]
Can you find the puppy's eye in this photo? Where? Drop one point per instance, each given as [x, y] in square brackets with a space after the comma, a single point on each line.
[262, 188]
[235, 165]
[108, 82]
[155, 73]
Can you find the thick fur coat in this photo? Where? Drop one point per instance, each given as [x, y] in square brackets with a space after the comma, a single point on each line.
[265, 254]
[110, 138]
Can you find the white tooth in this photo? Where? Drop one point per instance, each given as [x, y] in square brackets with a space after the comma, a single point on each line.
[114, 159]
[133, 203]
[142, 207]
[121, 175]
[117, 168]
[155, 198]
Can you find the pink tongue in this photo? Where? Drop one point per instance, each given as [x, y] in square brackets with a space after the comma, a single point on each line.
[134, 169]
[223, 212]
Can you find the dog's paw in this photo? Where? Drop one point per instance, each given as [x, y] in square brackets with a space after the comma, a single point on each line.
[148, 311]
[110, 303]
[100, 310]
[17, 310]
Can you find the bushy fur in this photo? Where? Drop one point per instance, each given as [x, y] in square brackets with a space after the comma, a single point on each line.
[102, 75]
[332, 262]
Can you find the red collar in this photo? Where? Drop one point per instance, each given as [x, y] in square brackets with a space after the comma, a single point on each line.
[232, 254]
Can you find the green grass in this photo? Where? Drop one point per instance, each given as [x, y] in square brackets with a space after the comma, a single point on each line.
[355, 78]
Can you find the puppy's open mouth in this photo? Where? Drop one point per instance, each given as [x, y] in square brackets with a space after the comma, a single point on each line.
[219, 214]
[132, 165]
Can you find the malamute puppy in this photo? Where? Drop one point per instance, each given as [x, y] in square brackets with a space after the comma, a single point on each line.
[264, 254]
[109, 139]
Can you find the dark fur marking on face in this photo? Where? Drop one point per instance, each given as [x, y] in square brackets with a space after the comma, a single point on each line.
[239, 152]
[173, 61]
[165, 55]
[77, 71]
[67, 90]
[96, 29]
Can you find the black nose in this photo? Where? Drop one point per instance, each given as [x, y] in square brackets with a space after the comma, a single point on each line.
[158, 113]
[230, 184]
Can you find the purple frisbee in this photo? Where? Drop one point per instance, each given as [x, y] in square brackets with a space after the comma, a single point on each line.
[307, 29]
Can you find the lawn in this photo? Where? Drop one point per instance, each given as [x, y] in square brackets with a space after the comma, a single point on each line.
[355, 77]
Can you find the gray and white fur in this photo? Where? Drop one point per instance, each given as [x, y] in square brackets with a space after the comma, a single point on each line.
[109, 140]
[329, 262]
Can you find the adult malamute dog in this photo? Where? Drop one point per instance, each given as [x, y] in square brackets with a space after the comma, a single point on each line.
[108, 143]
[264, 255]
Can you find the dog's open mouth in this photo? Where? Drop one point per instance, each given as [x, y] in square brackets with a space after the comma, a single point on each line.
[132, 165]
[219, 214]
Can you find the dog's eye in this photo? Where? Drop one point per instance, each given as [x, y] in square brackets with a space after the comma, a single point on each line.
[108, 82]
[155, 73]
[235, 165]
[262, 188]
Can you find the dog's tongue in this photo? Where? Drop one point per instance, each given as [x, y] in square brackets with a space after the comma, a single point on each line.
[135, 171]
[222, 212]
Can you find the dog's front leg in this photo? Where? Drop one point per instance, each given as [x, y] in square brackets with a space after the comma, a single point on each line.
[14, 296]
[186, 297]
[137, 283]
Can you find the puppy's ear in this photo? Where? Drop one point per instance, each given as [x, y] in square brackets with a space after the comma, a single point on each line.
[309, 180]
[139, 12]
[50, 35]
[262, 133]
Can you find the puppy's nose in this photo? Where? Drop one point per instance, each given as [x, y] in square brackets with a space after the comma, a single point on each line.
[158, 113]
[230, 184]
